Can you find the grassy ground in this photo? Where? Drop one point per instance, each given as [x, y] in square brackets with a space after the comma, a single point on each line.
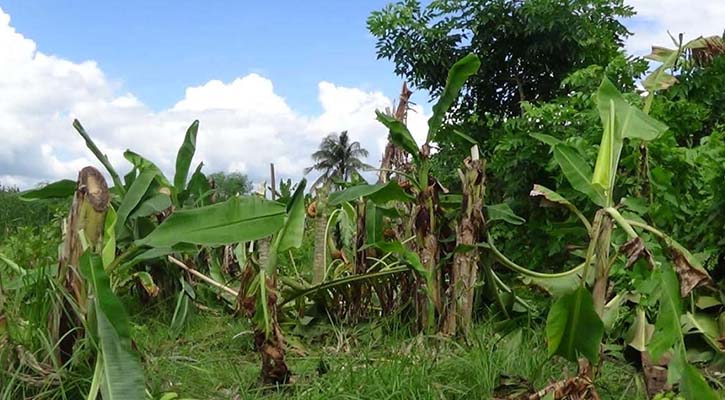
[214, 359]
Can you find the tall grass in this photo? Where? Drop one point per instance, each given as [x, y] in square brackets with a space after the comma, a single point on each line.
[215, 360]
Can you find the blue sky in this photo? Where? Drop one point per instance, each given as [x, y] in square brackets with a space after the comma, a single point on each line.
[156, 49]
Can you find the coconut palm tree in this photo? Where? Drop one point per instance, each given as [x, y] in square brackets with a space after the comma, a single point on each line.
[338, 158]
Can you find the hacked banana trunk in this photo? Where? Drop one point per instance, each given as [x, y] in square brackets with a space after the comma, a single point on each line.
[87, 217]
[602, 264]
[271, 347]
[426, 213]
[263, 250]
[394, 157]
[359, 290]
[469, 231]
[319, 263]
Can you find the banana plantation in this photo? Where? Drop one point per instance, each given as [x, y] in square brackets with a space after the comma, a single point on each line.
[558, 234]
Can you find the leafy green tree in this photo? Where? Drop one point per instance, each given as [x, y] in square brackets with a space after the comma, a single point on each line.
[527, 47]
[230, 184]
[338, 158]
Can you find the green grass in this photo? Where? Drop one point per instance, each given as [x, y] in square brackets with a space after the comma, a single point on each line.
[214, 359]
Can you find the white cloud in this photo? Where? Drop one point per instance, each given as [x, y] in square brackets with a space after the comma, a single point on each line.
[244, 124]
[654, 18]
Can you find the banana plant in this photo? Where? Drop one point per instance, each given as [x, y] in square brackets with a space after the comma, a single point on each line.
[88, 249]
[574, 324]
[258, 297]
[242, 219]
[156, 218]
[143, 198]
[426, 211]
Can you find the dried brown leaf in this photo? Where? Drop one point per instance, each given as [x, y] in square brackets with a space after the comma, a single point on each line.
[634, 250]
[579, 387]
[690, 276]
[655, 373]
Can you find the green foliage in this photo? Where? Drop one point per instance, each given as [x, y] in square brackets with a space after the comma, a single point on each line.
[230, 184]
[621, 120]
[379, 193]
[457, 77]
[503, 212]
[121, 373]
[239, 219]
[133, 197]
[399, 134]
[573, 328]
[667, 328]
[668, 336]
[184, 157]
[529, 47]
[534, 105]
[17, 214]
[62, 189]
[578, 172]
[294, 227]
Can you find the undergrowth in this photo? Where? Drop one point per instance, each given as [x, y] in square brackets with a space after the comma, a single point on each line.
[215, 359]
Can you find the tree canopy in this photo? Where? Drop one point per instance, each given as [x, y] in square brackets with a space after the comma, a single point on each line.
[527, 47]
[230, 184]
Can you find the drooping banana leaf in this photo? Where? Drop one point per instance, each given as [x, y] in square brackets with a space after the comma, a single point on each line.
[143, 164]
[151, 206]
[578, 173]
[57, 190]
[122, 375]
[503, 212]
[379, 193]
[553, 197]
[239, 219]
[399, 134]
[573, 328]
[133, 197]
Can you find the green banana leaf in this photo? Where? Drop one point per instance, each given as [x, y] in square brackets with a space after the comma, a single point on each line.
[57, 190]
[239, 219]
[573, 328]
[184, 157]
[457, 77]
[399, 134]
[122, 375]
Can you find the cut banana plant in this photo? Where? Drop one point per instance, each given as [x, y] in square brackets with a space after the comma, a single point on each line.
[574, 326]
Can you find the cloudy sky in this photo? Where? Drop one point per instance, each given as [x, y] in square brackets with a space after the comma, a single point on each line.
[267, 83]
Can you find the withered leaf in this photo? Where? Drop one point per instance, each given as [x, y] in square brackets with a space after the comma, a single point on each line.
[690, 275]
[634, 250]
[655, 373]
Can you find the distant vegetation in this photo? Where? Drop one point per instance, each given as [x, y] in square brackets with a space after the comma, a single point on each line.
[15, 213]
